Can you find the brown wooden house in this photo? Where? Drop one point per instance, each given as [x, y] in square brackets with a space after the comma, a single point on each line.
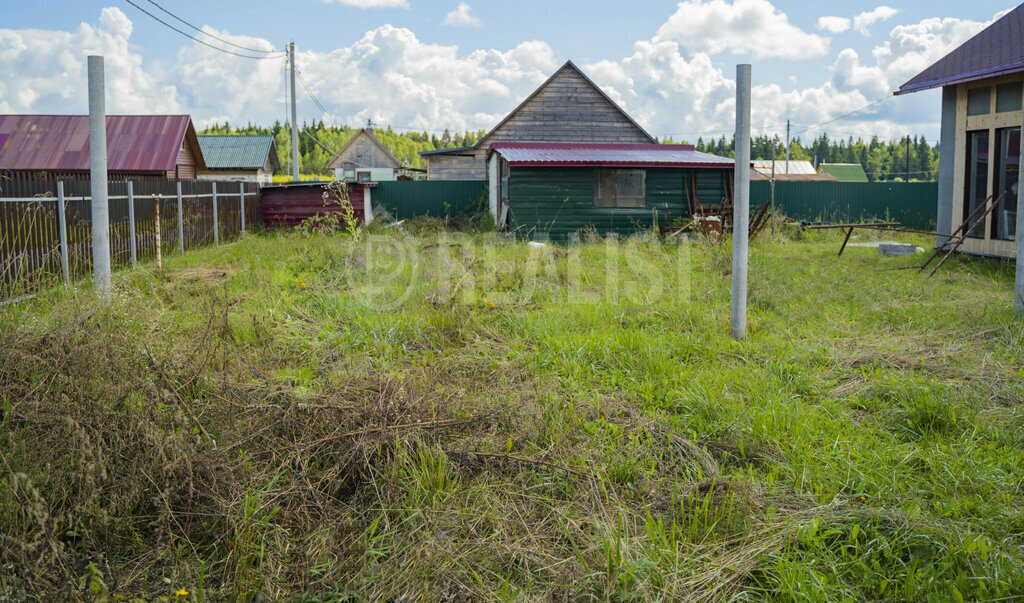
[151, 147]
[568, 108]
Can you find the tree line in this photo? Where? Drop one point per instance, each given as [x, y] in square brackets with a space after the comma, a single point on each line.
[882, 160]
[318, 142]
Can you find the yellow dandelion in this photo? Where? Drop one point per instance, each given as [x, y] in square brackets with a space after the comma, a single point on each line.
[181, 592]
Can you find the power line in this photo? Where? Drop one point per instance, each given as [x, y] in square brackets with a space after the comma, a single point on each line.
[200, 30]
[204, 43]
[850, 114]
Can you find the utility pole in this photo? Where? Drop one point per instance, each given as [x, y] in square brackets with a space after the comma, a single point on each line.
[787, 146]
[295, 121]
[98, 175]
[741, 204]
[775, 143]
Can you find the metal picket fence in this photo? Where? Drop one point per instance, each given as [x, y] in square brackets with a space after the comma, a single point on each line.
[46, 224]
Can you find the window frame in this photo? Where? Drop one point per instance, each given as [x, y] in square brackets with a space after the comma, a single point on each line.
[604, 177]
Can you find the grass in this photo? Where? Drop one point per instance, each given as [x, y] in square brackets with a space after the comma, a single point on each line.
[439, 416]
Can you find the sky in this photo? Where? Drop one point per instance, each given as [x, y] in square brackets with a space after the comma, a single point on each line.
[428, 65]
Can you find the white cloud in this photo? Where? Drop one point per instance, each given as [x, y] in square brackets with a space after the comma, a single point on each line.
[833, 24]
[866, 19]
[740, 27]
[365, 4]
[462, 17]
[45, 71]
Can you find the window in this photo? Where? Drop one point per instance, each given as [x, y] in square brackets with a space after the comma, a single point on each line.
[620, 188]
[1007, 171]
[979, 101]
[976, 180]
[504, 175]
[1009, 97]
[362, 176]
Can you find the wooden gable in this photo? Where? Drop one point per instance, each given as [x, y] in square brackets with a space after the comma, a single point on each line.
[568, 108]
[364, 151]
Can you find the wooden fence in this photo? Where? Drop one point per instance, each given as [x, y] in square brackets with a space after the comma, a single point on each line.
[34, 254]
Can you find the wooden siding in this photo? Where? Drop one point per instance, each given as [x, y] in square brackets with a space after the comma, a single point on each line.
[558, 203]
[185, 166]
[290, 205]
[567, 109]
[364, 151]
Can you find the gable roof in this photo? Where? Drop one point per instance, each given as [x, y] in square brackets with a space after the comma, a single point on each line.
[135, 143]
[569, 65]
[997, 50]
[240, 151]
[845, 172]
[563, 154]
[340, 157]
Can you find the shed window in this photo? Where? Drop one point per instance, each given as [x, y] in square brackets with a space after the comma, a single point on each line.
[620, 188]
[979, 101]
[1007, 171]
[1009, 97]
[362, 176]
[976, 180]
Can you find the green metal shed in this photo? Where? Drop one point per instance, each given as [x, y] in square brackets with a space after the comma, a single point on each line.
[556, 190]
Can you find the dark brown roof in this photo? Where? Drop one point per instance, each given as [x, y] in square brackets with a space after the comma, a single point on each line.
[998, 50]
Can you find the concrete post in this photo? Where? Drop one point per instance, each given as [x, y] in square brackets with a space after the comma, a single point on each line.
[98, 174]
[367, 205]
[295, 121]
[131, 225]
[741, 203]
[216, 226]
[494, 184]
[62, 224]
[241, 204]
[181, 225]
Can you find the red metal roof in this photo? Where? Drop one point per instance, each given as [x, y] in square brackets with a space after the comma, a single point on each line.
[998, 50]
[555, 154]
[135, 143]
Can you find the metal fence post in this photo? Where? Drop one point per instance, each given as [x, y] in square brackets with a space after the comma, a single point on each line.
[241, 204]
[216, 231]
[181, 227]
[131, 224]
[63, 226]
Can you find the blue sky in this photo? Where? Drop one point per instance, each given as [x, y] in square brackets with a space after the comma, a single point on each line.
[429, 64]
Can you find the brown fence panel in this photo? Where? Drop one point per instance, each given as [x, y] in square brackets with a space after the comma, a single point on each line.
[30, 256]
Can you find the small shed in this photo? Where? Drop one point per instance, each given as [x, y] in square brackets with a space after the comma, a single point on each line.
[290, 204]
[568, 108]
[239, 157]
[364, 159]
[153, 147]
[845, 172]
[982, 85]
[553, 190]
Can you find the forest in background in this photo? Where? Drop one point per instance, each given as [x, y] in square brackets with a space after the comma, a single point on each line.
[882, 160]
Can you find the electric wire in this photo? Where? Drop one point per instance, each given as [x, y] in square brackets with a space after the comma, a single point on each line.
[204, 43]
[205, 33]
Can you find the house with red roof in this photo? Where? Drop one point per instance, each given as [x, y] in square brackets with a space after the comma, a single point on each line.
[982, 85]
[151, 147]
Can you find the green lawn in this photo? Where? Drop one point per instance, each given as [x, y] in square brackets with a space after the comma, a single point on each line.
[436, 416]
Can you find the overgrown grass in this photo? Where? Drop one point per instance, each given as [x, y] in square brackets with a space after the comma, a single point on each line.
[444, 417]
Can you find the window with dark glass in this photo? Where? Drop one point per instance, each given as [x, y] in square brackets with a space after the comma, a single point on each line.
[1009, 97]
[976, 179]
[620, 188]
[1006, 174]
[505, 175]
[979, 101]
[362, 176]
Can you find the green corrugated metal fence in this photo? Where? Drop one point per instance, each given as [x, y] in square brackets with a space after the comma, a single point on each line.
[437, 198]
[912, 204]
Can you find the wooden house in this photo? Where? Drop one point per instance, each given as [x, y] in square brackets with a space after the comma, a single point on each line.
[365, 159]
[982, 85]
[568, 107]
[554, 190]
[239, 158]
[153, 147]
